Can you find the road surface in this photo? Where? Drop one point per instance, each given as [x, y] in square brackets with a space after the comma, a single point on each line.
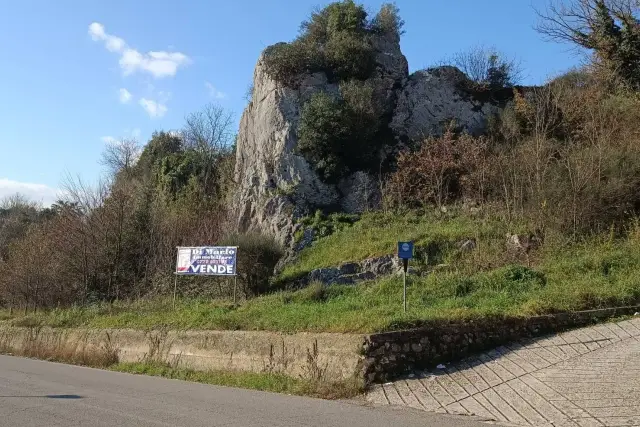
[43, 394]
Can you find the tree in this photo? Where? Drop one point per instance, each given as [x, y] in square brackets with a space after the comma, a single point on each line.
[608, 28]
[486, 66]
[388, 20]
[121, 156]
[209, 133]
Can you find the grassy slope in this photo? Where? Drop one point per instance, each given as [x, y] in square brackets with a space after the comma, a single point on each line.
[378, 234]
[600, 272]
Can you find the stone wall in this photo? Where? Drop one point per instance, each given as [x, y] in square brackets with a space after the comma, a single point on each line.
[392, 354]
[297, 355]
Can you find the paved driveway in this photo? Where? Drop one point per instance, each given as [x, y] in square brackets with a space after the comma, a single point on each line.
[587, 377]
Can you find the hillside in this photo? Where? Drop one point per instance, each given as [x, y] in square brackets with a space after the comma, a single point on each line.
[520, 200]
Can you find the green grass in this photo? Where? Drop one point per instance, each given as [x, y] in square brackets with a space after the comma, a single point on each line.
[271, 382]
[377, 234]
[599, 272]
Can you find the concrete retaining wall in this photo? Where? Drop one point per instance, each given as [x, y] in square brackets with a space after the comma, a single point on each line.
[388, 355]
[338, 356]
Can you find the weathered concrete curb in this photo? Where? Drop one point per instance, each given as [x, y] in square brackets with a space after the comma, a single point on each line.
[335, 356]
[391, 354]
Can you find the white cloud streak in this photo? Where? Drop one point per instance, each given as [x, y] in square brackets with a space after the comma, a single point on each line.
[38, 192]
[213, 92]
[157, 63]
[124, 96]
[154, 109]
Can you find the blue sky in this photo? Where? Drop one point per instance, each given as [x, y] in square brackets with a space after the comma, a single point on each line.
[68, 86]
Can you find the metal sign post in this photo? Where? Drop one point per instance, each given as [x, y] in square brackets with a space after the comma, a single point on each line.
[405, 253]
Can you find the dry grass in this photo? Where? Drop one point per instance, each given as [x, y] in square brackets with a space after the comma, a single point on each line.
[60, 350]
[272, 382]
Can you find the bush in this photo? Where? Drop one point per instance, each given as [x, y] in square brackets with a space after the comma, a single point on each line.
[340, 135]
[487, 67]
[349, 55]
[324, 135]
[285, 61]
[325, 225]
[388, 21]
[441, 170]
[336, 40]
[257, 257]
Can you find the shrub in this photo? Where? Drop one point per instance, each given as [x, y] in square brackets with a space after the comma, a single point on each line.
[345, 15]
[325, 225]
[339, 135]
[284, 61]
[388, 20]
[257, 257]
[441, 170]
[349, 55]
[487, 67]
[324, 135]
[335, 39]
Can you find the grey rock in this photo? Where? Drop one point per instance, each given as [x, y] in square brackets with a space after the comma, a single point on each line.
[360, 193]
[467, 245]
[363, 277]
[349, 268]
[385, 265]
[276, 186]
[308, 236]
[431, 99]
[521, 243]
[325, 275]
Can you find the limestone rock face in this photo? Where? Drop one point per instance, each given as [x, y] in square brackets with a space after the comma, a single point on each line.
[431, 99]
[275, 185]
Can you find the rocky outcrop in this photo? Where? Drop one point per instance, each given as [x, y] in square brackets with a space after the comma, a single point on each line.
[353, 272]
[276, 186]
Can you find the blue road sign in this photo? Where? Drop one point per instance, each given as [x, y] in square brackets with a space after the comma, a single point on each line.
[405, 250]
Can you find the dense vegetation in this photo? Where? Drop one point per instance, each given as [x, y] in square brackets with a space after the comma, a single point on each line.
[342, 132]
[117, 240]
[561, 162]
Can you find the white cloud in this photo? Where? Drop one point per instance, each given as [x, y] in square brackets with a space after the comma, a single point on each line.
[112, 43]
[38, 192]
[135, 133]
[153, 108]
[213, 92]
[108, 139]
[157, 63]
[124, 95]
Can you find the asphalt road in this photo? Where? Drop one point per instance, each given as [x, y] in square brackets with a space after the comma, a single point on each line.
[37, 393]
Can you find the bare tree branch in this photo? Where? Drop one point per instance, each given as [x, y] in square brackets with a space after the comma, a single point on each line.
[121, 156]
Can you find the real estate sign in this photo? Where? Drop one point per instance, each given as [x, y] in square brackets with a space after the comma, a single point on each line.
[207, 261]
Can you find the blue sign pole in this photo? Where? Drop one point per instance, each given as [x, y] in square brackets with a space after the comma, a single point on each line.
[405, 253]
